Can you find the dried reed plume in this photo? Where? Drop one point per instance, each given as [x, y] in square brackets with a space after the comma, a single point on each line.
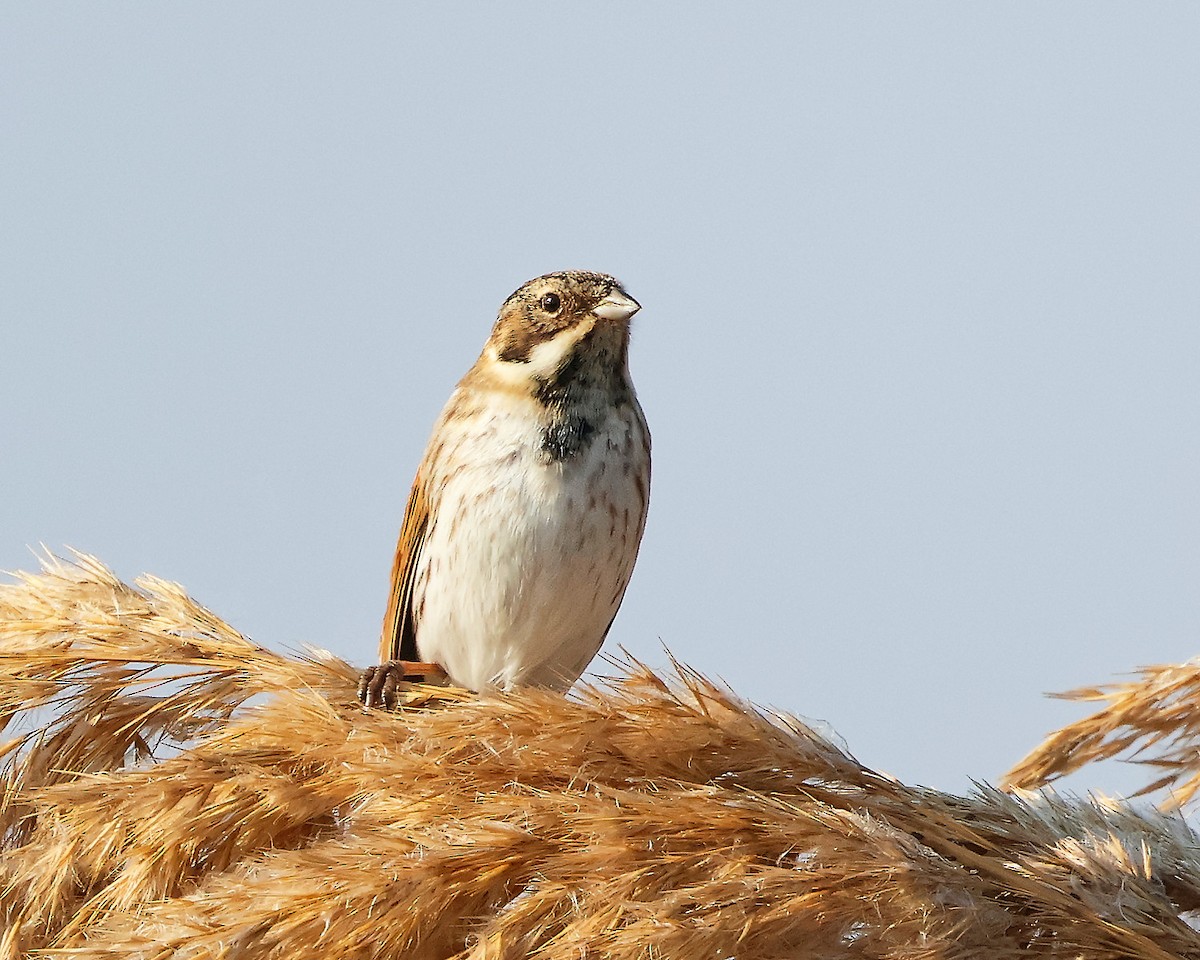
[190, 794]
[1161, 709]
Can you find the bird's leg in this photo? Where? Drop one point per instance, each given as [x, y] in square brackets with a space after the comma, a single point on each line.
[378, 685]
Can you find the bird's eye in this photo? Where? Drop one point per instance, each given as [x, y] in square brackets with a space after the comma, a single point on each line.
[550, 302]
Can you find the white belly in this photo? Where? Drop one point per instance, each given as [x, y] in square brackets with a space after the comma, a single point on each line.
[526, 561]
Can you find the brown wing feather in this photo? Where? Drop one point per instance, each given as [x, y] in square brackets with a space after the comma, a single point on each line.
[399, 639]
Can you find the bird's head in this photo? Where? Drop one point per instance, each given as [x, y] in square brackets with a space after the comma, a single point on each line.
[553, 323]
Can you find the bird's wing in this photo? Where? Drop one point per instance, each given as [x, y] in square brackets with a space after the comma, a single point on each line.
[399, 640]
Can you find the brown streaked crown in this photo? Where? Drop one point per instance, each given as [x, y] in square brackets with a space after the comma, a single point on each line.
[544, 307]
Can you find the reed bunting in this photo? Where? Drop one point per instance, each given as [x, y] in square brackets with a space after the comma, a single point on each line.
[525, 517]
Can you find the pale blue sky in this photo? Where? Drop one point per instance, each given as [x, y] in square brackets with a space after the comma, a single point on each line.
[919, 345]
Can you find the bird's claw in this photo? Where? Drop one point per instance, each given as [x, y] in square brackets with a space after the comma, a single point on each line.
[380, 685]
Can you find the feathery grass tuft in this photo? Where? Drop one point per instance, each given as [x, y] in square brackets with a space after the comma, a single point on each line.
[182, 792]
[1160, 709]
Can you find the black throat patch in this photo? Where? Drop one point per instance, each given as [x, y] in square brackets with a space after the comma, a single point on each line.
[565, 437]
[570, 429]
[577, 398]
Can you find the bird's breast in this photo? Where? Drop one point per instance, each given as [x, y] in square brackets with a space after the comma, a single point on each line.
[532, 541]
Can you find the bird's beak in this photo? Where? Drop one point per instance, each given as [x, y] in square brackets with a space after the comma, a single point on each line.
[618, 305]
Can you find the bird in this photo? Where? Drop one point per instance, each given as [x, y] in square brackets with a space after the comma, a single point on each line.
[524, 520]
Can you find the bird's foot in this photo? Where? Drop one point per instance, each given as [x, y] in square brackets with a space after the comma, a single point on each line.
[380, 685]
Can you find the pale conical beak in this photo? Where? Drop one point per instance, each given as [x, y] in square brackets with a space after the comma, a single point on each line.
[618, 305]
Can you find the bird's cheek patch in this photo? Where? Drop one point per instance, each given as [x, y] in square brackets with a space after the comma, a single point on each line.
[550, 356]
[541, 359]
[519, 344]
